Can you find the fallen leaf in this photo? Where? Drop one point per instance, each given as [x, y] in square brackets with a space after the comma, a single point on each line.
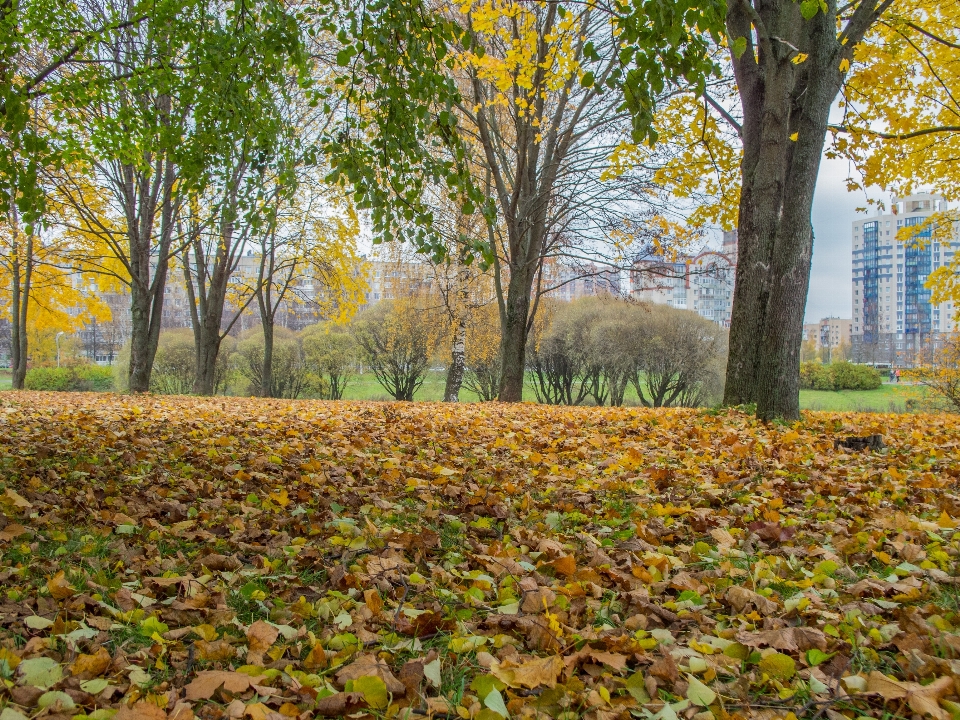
[260, 637]
[208, 682]
[531, 674]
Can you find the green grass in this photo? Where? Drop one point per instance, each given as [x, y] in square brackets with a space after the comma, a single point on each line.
[887, 398]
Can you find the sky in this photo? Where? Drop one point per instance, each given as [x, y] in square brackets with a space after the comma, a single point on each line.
[834, 211]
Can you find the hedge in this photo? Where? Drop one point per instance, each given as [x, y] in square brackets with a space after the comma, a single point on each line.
[80, 378]
[838, 376]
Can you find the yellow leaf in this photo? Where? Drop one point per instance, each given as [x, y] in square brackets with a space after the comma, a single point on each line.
[844, 65]
[59, 587]
[799, 58]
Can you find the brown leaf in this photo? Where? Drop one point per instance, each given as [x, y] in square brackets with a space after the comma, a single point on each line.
[740, 597]
[371, 665]
[922, 699]
[564, 566]
[665, 668]
[220, 563]
[59, 587]
[531, 674]
[791, 639]
[208, 682]
[141, 711]
[217, 651]
[342, 703]
[260, 637]
[411, 675]
[372, 598]
[91, 666]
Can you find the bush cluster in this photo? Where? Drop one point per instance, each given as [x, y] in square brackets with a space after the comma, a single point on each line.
[838, 376]
[78, 378]
[590, 350]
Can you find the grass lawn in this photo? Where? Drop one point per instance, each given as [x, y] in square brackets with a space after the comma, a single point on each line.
[241, 557]
[887, 398]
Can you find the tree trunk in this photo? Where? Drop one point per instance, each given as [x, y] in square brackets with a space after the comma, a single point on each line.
[457, 362]
[513, 343]
[786, 105]
[20, 308]
[142, 196]
[266, 377]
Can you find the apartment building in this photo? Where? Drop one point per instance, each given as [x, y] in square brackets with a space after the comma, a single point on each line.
[893, 316]
[701, 283]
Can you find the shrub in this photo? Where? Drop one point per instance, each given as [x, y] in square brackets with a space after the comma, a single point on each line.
[816, 376]
[847, 376]
[79, 378]
[838, 376]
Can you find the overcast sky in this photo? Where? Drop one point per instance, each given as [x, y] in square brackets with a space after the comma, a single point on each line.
[834, 210]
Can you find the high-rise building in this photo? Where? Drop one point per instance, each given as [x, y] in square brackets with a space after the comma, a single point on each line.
[893, 317]
[703, 283]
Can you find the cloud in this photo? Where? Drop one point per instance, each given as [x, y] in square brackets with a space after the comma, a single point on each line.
[834, 211]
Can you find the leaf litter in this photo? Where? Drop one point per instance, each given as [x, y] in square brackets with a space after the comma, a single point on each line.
[243, 558]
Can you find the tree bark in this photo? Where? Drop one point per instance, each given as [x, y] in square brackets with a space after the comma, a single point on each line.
[786, 106]
[514, 331]
[20, 306]
[458, 354]
[266, 377]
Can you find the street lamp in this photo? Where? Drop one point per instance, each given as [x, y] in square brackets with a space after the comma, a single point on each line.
[58, 346]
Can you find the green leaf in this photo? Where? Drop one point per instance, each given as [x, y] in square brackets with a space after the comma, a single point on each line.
[816, 656]
[95, 686]
[636, 688]
[739, 47]
[53, 697]
[483, 685]
[431, 671]
[374, 691]
[809, 8]
[698, 693]
[41, 672]
[494, 701]
[778, 666]
[587, 80]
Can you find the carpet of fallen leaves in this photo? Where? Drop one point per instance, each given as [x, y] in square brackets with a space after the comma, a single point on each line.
[211, 558]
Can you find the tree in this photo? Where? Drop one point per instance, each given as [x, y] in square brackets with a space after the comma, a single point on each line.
[44, 294]
[789, 61]
[291, 376]
[593, 348]
[398, 340]
[331, 354]
[154, 132]
[679, 359]
[527, 84]
[536, 104]
[307, 258]
[938, 370]
[482, 353]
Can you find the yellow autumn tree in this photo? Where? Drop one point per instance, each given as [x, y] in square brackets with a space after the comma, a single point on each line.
[542, 130]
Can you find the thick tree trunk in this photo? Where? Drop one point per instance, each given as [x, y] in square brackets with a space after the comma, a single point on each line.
[513, 342]
[145, 310]
[458, 354]
[787, 85]
[143, 194]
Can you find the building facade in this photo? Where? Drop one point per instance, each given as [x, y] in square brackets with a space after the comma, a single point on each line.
[893, 316]
[701, 283]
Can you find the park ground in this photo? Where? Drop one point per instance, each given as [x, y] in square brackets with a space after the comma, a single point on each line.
[895, 398]
[224, 557]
